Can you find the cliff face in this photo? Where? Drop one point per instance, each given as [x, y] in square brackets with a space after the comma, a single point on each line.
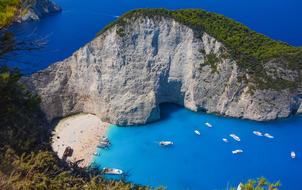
[126, 72]
[36, 9]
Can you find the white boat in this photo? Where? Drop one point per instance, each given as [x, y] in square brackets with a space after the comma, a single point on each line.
[105, 143]
[235, 137]
[165, 143]
[105, 139]
[102, 146]
[225, 140]
[268, 136]
[208, 124]
[112, 171]
[96, 154]
[257, 133]
[237, 151]
[293, 154]
[197, 132]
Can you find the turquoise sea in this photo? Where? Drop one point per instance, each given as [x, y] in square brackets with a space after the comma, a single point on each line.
[194, 162]
[205, 161]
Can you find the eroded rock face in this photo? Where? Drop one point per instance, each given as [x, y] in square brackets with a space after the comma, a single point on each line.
[36, 9]
[125, 73]
[300, 109]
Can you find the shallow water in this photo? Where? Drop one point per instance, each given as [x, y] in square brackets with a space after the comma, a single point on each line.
[81, 20]
[205, 161]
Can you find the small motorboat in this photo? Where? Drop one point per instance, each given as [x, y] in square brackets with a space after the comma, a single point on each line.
[96, 154]
[102, 146]
[268, 136]
[225, 140]
[293, 154]
[208, 124]
[105, 143]
[257, 133]
[105, 139]
[165, 143]
[197, 132]
[235, 137]
[237, 151]
[112, 171]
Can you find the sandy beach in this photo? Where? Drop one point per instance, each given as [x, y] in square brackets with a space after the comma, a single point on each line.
[82, 132]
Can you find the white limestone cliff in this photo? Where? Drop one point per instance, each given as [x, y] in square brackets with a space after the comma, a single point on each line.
[125, 73]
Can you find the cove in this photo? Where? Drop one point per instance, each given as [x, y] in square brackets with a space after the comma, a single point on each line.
[205, 161]
[194, 162]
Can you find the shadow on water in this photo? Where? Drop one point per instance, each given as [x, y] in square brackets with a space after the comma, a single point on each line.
[167, 109]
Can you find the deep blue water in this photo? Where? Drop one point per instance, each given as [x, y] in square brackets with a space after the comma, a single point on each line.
[194, 162]
[205, 161]
[81, 20]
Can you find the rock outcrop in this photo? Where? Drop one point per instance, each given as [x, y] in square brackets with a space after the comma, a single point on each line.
[36, 9]
[126, 72]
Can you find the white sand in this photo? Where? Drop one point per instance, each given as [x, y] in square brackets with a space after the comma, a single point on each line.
[82, 133]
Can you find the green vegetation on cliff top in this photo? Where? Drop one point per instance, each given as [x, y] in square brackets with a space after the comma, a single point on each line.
[250, 49]
[8, 10]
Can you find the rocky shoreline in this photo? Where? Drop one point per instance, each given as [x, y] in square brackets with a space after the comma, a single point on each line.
[35, 10]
